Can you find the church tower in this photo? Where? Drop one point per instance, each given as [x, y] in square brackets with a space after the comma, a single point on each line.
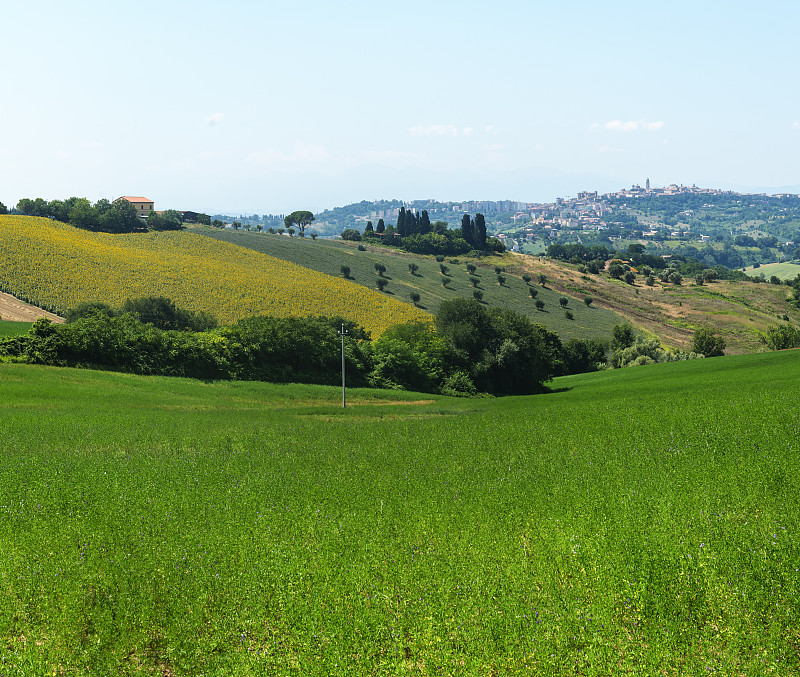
[647, 185]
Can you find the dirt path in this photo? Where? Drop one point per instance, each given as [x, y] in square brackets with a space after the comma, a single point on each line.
[12, 308]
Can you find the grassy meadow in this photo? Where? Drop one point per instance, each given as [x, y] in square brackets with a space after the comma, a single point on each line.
[9, 328]
[785, 271]
[637, 522]
[327, 256]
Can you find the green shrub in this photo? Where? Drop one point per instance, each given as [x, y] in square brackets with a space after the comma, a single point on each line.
[348, 234]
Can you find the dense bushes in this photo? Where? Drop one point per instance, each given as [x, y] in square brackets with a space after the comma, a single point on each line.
[119, 216]
[470, 349]
[502, 351]
[280, 350]
[781, 338]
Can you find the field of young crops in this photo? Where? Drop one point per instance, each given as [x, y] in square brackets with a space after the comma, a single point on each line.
[56, 266]
[637, 522]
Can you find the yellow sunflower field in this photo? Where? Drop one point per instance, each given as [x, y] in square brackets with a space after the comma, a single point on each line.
[56, 266]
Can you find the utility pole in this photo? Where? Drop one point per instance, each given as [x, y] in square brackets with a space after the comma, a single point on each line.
[343, 333]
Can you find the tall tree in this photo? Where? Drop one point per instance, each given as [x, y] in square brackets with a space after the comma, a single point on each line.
[300, 219]
[424, 222]
[401, 222]
[380, 227]
[480, 231]
[467, 229]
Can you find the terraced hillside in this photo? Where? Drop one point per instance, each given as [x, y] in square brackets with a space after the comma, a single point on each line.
[55, 266]
[328, 256]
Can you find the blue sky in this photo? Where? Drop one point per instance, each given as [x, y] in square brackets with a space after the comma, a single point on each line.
[263, 107]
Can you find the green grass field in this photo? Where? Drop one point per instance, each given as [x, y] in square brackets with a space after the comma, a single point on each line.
[785, 271]
[327, 256]
[8, 328]
[637, 522]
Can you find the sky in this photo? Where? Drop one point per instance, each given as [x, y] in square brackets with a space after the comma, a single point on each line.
[262, 107]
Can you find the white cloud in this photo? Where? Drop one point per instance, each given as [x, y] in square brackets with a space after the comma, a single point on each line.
[447, 130]
[434, 130]
[629, 126]
[538, 146]
[493, 147]
[607, 149]
[796, 124]
[214, 119]
[392, 156]
[301, 153]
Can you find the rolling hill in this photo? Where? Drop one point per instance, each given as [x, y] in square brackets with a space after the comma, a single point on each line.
[56, 266]
[328, 255]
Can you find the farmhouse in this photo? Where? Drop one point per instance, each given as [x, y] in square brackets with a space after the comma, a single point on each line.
[143, 205]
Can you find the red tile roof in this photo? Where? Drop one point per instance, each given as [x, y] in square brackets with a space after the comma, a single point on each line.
[135, 199]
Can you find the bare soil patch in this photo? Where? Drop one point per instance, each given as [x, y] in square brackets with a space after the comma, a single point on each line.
[12, 309]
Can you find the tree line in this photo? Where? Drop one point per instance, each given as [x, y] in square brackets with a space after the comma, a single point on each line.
[119, 216]
[415, 233]
[466, 350]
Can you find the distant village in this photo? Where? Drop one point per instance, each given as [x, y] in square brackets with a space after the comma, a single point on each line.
[588, 211]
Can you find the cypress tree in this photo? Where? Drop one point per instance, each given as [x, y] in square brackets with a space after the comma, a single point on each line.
[381, 226]
[369, 228]
[401, 222]
[467, 231]
[424, 222]
[480, 231]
